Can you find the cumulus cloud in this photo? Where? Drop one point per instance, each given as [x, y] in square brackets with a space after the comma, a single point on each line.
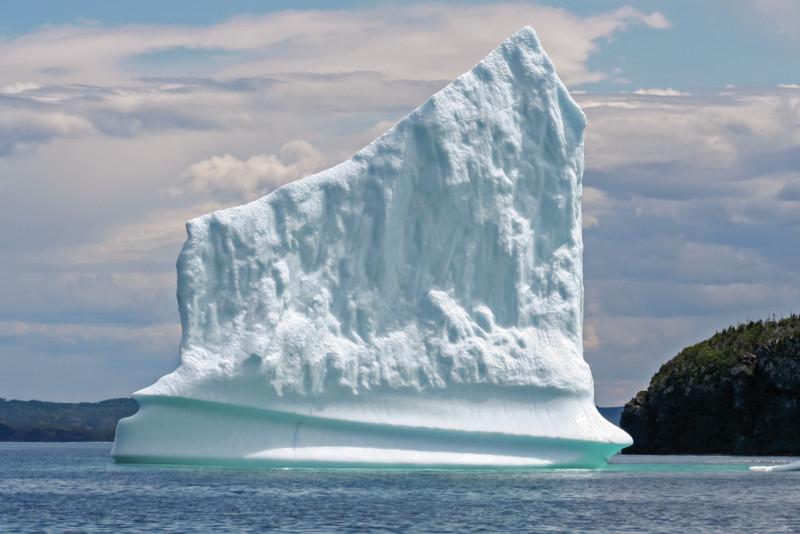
[660, 92]
[19, 87]
[595, 204]
[590, 339]
[226, 178]
[714, 131]
[21, 132]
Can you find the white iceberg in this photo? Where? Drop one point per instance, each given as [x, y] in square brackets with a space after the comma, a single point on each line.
[791, 466]
[419, 304]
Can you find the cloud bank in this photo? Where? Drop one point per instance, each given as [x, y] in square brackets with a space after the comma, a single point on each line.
[111, 138]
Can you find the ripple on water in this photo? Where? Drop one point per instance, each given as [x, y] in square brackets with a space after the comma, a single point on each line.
[75, 487]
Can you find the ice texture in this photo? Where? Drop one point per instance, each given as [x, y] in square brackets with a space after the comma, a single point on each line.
[420, 304]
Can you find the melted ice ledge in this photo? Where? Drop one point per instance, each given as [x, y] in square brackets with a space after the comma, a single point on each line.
[418, 304]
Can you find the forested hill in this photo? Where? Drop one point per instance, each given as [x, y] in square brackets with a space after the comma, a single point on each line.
[58, 421]
[737, 392]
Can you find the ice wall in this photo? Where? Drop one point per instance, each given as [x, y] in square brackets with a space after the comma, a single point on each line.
[431, 284]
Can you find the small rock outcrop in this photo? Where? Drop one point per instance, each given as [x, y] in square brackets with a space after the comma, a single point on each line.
[735, 393]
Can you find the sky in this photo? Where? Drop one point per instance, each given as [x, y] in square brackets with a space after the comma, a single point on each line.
[121, 121]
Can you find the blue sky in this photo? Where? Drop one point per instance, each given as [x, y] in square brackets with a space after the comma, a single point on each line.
[120, 121]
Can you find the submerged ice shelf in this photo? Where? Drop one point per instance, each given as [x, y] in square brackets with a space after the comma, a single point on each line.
[419, 304]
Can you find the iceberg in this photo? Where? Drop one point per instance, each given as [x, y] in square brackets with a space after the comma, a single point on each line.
[420, 304]
[791, 466]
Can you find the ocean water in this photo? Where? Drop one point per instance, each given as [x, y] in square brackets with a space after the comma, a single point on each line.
[66, 487]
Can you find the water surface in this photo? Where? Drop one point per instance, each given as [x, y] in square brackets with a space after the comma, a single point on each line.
[66, 487]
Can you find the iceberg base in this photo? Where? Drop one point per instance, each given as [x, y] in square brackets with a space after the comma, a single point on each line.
[170, 430]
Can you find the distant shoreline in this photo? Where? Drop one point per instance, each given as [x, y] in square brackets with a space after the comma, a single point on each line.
[38, 421]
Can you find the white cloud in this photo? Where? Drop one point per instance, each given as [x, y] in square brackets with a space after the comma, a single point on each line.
[147, 338]
[271, 68]
[748, 295]
[721, 264]
[660, 92]
[99, 297]
[156, 238]
[228, 179]
[19, 87]
[388, 39]
[20, 130]
[784, 14]
[715, 131]
[595, 203]
[590, 339]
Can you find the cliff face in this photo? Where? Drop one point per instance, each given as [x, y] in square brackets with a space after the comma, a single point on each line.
[735, 393]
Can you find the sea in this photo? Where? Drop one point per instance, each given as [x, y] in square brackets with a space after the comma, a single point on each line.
[76, 487]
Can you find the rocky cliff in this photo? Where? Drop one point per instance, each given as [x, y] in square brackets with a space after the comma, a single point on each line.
[735, 393]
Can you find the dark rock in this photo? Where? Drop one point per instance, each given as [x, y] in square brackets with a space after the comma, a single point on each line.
[735, 393]
[9, 433]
